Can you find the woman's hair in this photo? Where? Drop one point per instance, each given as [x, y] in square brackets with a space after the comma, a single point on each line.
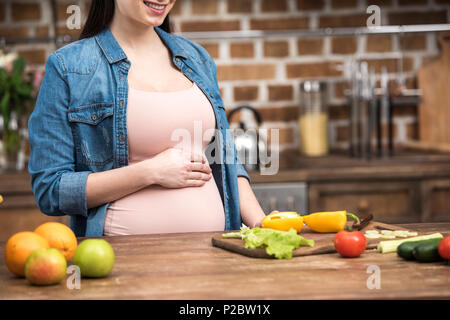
[100, 16]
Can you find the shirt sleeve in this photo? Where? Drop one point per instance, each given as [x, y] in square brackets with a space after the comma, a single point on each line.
[58, 189]
[241, 172]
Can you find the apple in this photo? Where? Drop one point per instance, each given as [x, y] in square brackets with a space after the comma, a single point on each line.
[94, 257]
[45, 267]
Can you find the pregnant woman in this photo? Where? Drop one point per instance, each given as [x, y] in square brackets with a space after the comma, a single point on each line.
[106, 131]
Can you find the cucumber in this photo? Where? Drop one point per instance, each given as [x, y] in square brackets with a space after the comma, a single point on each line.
[427, 251]
[405, 250]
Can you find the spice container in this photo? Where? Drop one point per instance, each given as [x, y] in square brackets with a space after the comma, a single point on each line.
[313, 119]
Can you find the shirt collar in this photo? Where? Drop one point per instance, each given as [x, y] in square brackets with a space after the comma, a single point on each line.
[114, 52]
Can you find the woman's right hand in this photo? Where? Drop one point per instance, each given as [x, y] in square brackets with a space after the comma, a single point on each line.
[174, 168]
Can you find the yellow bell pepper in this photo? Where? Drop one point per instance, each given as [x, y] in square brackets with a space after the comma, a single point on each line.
[283, 221]
[332, 221]
[1, 198]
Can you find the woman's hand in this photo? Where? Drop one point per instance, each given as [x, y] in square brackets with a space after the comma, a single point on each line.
[174, 168]
[259, 224]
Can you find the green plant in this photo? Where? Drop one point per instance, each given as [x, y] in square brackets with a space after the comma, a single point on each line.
[16, 96]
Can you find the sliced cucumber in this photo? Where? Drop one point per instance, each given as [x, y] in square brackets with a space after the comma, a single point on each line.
[391, 246]
[372, 236]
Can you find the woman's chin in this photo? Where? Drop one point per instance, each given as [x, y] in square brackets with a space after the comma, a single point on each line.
[152, 21]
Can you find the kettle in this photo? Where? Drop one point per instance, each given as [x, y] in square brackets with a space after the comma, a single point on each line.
[247, 141]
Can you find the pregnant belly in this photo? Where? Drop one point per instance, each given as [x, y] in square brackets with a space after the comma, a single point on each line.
[161, 210]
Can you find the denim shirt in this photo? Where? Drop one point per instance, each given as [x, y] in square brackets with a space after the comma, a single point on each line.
[79, 126]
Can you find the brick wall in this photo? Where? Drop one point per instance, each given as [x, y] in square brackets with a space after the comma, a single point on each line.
[266, 72]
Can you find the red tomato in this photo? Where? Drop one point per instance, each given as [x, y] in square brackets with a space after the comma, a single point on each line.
[350, 244]
[444, 248]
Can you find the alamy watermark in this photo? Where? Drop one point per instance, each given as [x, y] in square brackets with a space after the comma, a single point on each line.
[74, 20]
[73, 281]
[374, 20]
[267, 164]
[374, 280]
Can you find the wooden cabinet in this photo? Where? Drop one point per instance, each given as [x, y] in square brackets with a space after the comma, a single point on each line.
[436, 200]
[425, 200]
[388, 202]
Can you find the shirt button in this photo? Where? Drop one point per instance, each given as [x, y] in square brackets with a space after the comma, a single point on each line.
[94, 117]
[190, 70]
[122, 78]
[228, 198]
[211, 95]
[121, 137]
[121, 103]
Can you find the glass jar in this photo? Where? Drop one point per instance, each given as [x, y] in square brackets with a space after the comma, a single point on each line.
[313, 119]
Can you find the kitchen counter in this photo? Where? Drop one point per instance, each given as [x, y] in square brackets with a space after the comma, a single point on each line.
[294, 167]
[187, 266]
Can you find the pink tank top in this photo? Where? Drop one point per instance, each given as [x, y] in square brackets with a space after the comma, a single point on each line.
[157, 121]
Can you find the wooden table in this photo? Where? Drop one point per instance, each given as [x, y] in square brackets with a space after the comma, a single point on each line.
[187, 266]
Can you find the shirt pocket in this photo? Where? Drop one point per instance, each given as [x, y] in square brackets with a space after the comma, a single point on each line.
[92, 128]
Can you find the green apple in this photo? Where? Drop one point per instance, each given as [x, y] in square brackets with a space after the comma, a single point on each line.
[45, 267]
[94, 257]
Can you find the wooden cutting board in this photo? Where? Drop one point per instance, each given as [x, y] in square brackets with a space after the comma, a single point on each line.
[434, 111]
[323, 242]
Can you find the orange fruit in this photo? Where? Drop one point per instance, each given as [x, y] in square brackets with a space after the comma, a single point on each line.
[19, 247]
[60, 237]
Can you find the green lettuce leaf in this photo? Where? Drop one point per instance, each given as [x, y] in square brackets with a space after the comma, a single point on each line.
[277, 243]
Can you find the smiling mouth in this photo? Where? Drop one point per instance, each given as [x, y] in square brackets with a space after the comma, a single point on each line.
[154, 5]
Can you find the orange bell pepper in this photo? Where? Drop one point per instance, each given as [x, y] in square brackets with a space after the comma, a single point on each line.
[330, 221]
[283, 221]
